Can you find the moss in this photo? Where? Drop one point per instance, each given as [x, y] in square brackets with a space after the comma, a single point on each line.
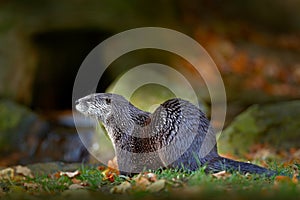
[276, 125]
[14, 122]
[9, 118]
[239, 136]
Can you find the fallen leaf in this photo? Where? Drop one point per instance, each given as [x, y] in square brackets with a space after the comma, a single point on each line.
[141, 182]
[7, 173]
[296, 154]
[70, 174]
[157, 186]
[25, 171]
[121, 189]
[295, 179]
[56, 175]
[101, 168]
[109, 174]
[76, 181]
[75, 187]
[239, 63]
[111, 171]
[291, 162]
[151, 176]
[113, 164]
[31, 185]
[282, 179]
[221, 174]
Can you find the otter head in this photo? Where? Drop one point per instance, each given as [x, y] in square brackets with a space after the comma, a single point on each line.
[102, 106]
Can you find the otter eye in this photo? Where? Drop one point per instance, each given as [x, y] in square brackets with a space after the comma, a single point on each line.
[108, 101]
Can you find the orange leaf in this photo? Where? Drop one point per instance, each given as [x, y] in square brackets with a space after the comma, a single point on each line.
[295, 178]
[283, 179]
[56, 175]
[76, 181]
[101, 168]
[109, 174]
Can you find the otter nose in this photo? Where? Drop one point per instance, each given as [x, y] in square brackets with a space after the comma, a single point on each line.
[81, 106]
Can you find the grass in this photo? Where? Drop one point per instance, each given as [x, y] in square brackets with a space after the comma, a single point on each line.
[178, 185]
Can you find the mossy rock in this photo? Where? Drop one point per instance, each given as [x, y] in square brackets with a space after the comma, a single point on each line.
[15, 121]
[277, 125]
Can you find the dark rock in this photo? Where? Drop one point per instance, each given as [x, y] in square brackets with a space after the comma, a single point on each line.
[15, 122]
[26, 138]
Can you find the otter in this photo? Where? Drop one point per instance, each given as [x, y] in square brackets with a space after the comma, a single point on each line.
[176, 135]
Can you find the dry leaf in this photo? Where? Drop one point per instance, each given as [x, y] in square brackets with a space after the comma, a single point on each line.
[221, 174]
[76, 181]
[122, 188]
[70, 174]
[55, 175]
[157, 186]
[25, 171]
[101, 168]
[151, 176]
[296, 153]
[7, 173]
[113, 163]
[295, 179]
[282, 179]
[291, 162]
[31, 185]
[141, 182]
[75, 187]
[110, 173]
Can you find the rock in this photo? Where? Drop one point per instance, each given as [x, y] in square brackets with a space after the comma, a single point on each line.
[276, 125]
[15, 121]
[26, 138]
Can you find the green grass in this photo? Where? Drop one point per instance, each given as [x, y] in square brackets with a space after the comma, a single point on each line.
[178, 185]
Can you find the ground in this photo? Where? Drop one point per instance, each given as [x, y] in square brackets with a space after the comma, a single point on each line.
[60, 181]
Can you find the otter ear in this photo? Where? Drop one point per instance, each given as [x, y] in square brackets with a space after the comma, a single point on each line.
[108, 100]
